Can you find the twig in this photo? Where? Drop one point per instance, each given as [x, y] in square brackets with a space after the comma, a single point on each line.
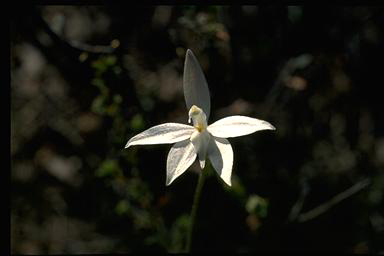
[74, 45]
[296, 208]
[335, 200]
[91, 48]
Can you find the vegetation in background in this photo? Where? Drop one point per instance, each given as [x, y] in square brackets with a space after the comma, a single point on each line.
[84, 79]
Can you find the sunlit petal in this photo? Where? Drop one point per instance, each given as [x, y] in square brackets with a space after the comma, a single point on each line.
[180, 158]
[195, 86]
[234, 126]
[162, 134]
[220, 154]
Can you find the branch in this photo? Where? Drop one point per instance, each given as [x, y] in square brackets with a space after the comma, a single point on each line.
[75, 45]
[335, 200]
[296, 208]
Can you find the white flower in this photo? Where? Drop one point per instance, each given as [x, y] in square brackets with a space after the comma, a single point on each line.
[200, 139]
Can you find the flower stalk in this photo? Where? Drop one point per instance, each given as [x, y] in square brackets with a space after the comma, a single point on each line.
[195, 206]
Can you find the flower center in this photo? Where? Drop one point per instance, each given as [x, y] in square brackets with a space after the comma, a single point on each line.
[198, 118]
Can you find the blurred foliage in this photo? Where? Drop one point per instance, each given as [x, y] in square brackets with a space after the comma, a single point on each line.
[85, 79]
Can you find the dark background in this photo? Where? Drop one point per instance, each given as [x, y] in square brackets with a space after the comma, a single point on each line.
[85, 79]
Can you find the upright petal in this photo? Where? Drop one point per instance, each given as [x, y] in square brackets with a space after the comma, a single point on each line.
[234, 126]
[195, 86]
[220, 154]
[179, 159]
[162, 134]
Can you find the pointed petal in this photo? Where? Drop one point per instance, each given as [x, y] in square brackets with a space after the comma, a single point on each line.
[200, 141]
[220, 154]
[234, 126]
[162, 134]
[180, 158]
[195, 86]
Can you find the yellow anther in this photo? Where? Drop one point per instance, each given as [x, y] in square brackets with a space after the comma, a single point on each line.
[198, 118]
[194, 110]
[199, 127]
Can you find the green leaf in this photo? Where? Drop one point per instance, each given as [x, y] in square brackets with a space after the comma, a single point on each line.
[137, 122]
[258, 205]
[108, 168]
[122, 207]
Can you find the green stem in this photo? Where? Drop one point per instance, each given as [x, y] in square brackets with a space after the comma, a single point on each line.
[195, 205]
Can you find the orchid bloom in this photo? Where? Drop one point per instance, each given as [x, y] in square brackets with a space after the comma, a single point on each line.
[200, 140]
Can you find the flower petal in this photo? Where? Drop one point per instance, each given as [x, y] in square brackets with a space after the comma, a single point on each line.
[220, 154]
[162, 134]
[234, 126]
[195, 86]
[200, 141]
[179, 159]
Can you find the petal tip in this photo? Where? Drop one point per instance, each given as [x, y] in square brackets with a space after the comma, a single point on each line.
[168, 181]
[130, 142]
[190, 55]
[269, 126]
[228, 182]
[189, 52]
